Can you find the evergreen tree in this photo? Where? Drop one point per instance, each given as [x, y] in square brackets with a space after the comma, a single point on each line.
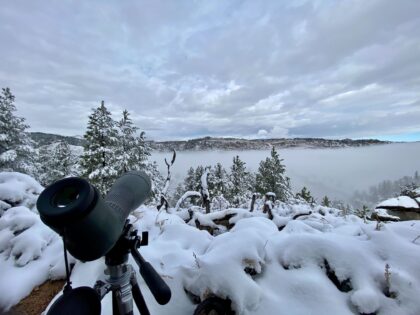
[240, 182]
[131, 152]
[409, 190]
[305, 194]
[55, 162]
[363, 212]
[219, 179]
[98, 159]
[16, 147]
[158, 181]
[190, 183]
[326, 202]
[271, 177]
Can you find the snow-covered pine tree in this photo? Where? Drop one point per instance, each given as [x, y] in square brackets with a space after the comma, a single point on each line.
[16, 147]
[271, 177]
[326, 202]
[305, 194]
[190, 183]
[158, 181]
[219, 178]
[98, 160]
[239, 182]
[55, 162]
[131, 152]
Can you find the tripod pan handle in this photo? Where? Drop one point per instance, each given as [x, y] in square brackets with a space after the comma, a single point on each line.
[157, 286]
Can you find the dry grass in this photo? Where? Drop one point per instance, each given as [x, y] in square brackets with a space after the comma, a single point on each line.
[38, 300]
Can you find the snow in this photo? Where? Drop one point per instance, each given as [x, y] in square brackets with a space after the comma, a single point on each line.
[402, 202]
[318, 263]
[18, 189]
[204, 187]
[186, 195]
[30, 253]
[291, 276]
[384, 214]
[8, 156]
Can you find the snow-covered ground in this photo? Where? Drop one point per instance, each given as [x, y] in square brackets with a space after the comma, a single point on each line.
[319, 263]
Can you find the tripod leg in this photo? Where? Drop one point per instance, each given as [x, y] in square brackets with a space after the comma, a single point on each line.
[138, 297]
[115, 310]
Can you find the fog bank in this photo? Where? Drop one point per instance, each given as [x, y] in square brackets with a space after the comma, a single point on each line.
[333, 172]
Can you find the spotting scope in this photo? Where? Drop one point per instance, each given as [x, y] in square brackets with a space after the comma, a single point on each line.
[89, 224]
[92, 227]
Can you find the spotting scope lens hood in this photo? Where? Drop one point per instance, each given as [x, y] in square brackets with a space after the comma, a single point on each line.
[89, 224]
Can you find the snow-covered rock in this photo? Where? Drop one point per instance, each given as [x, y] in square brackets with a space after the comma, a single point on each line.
[383, 215]
[399, 202]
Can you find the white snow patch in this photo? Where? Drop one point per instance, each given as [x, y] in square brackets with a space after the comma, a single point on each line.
[402, 201]
[30, 254]
[18, 189]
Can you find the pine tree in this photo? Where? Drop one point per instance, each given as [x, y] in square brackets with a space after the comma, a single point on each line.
[190, 183]
[219, 179]
[98, 160]
[240, 182]
[16, 147]
[326, 202]
[271, 177]
[55, 162]
[158, 181]
[131, 152]
[305, 194]
[362, 213]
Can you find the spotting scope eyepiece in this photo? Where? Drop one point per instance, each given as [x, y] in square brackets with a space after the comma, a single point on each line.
[89, 224]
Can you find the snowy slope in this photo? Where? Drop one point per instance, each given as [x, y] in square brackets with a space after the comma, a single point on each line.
[291, 265]
[319, 263]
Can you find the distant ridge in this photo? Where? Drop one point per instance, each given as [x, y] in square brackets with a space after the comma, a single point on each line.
[47, 138]
[210, 143]
[213, 143]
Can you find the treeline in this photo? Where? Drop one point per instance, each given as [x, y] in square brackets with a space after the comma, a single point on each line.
[386, 189]
[112, 148]
[236, 186]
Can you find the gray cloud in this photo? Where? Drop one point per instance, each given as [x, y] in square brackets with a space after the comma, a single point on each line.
[234, 68]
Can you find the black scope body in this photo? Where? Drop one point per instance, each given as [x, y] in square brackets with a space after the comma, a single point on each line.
[89, 224]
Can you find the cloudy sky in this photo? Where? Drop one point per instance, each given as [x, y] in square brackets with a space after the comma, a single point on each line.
[222, 68]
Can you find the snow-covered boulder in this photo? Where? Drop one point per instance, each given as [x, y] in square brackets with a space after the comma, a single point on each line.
[404, 207]
[382, 215]
[399, 202]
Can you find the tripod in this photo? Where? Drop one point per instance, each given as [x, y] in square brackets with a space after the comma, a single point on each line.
[120, 277]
